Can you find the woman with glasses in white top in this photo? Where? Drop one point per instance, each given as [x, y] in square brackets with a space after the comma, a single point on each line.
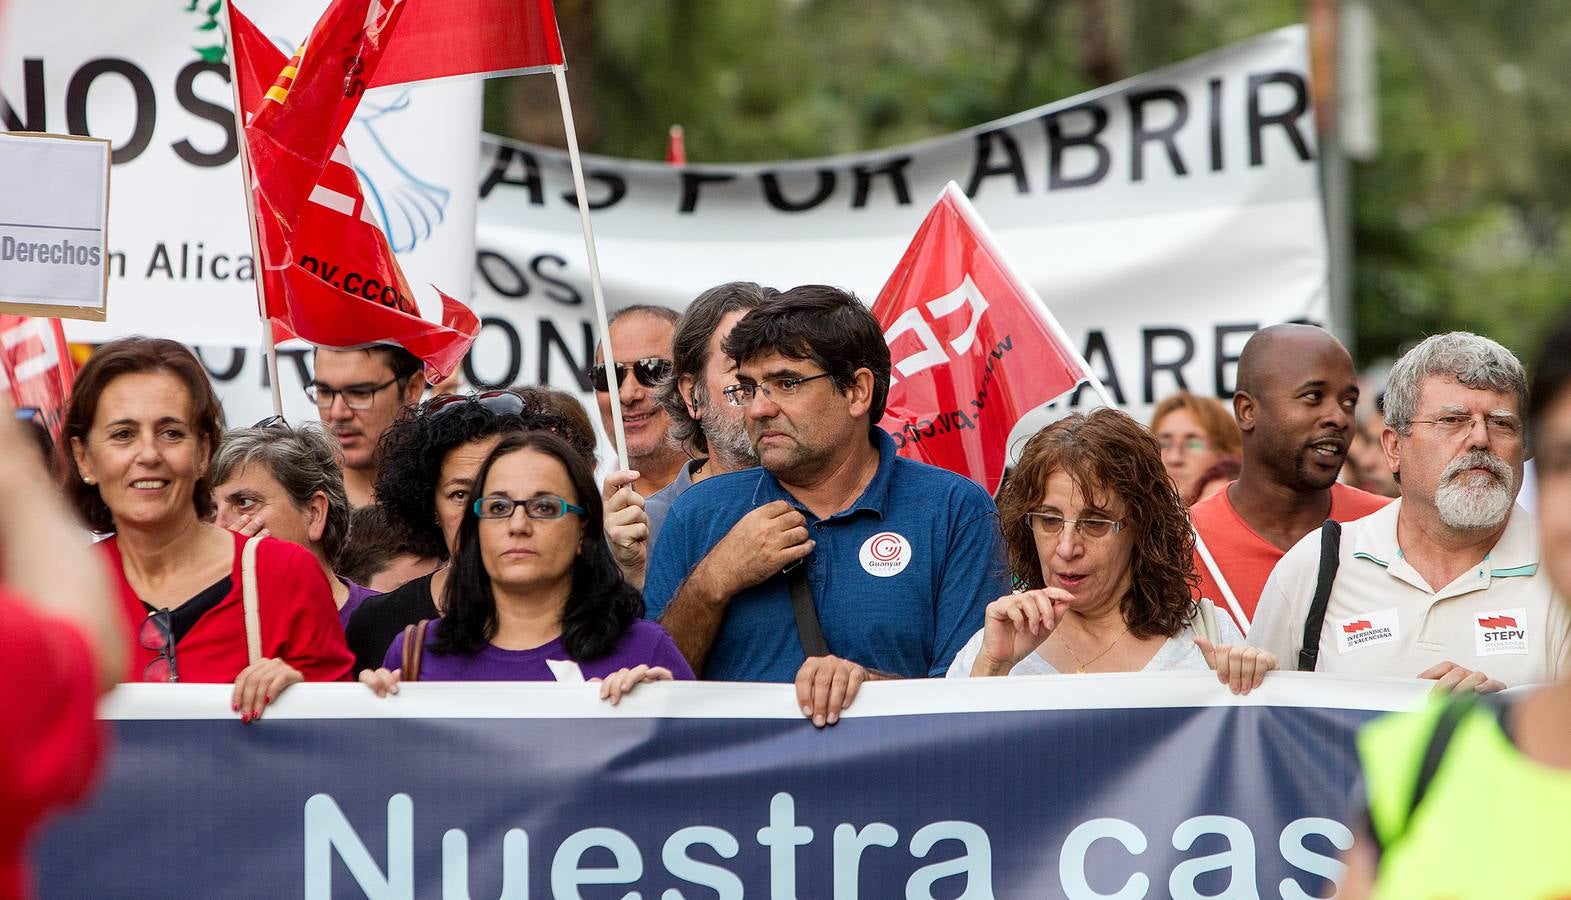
[1099, 540]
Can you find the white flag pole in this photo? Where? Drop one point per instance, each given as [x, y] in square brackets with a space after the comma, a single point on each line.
[268, 348]
[601, 322]
[975, 219]
[1221, 583]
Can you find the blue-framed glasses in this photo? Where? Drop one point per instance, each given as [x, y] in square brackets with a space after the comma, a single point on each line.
[545, 506]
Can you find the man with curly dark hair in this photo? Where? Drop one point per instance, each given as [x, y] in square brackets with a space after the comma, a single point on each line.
[426, 467]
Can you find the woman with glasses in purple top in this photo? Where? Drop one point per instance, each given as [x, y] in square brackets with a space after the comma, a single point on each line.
[426, 465]
[534, 593]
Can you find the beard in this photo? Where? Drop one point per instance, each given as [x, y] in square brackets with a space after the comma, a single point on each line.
[1467, 504]
[725, 434]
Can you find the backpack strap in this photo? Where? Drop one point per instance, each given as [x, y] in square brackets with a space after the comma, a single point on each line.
[248, 598]
[414, 650]
[807, 628]
[1434, 752]
[1330, 558]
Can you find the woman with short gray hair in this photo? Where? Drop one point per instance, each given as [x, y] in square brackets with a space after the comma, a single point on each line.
[287, 482]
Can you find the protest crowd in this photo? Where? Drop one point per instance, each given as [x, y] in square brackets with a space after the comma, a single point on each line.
[764, 524]
[226, 555]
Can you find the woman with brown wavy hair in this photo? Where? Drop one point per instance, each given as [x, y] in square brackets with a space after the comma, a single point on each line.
[1099, 539]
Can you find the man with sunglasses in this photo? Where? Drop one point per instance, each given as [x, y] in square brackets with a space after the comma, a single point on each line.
[641, 336]
[1445, 582]
[358, 393]
[836, 560]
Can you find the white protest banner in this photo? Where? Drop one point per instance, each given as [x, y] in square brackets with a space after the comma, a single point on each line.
[54, 212]
[152, 76]
[1162, 219]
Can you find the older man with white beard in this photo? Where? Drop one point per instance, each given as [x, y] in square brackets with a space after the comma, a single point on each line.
[1444, 583]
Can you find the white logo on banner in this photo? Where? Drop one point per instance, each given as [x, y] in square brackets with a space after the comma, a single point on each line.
[932, 352]
[1366, 630]
[1501, 632]
[885, 554]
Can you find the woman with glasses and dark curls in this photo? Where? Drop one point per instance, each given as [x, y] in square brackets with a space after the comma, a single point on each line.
[426, 465]
[143, 425]
[1099, 539]
[534, 594]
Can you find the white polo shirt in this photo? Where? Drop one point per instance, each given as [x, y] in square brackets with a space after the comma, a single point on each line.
[1500, 617]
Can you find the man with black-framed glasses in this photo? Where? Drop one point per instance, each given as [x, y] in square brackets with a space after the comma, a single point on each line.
[835, 561]
[358, 393]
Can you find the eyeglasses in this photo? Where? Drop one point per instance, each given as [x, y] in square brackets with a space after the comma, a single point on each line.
[359, 396]
[502, 402]
[1188, 445]
[275, 422]
[650, 372]
[742, 394]
[157, 634]
[1052, 525]
[1506, 428]
[545, 506]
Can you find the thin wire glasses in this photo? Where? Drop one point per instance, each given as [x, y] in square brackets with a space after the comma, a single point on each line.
[1050, 525]
[742, 394]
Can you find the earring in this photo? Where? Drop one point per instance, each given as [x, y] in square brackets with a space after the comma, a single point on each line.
[87, 479]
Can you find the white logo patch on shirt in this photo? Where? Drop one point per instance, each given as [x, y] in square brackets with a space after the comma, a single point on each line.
[1501, 632]
[885, 554]
[1367, 630]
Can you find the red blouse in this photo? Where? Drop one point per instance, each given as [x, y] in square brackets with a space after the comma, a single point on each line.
[298, 616]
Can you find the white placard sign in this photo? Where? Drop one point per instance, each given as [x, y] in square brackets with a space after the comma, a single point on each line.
[54, 221]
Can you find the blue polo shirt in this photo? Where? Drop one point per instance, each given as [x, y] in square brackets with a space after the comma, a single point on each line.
[900, 579]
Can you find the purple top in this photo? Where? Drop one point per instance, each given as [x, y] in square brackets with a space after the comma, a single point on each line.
[357, 595]
[644, 643]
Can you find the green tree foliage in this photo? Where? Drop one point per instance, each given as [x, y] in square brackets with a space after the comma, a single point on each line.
[1459, 221]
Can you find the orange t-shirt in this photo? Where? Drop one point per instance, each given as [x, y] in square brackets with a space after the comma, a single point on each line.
[1246, 558]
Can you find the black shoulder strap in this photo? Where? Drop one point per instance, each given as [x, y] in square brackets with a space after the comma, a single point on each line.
[1445, 728]
[813, 643]
[1330, 558]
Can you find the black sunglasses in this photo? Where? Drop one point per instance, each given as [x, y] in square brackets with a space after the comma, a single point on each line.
[157, 634]
[650, 372]
[499, 402]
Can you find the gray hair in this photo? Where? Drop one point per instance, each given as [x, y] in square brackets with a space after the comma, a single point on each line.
[302, 460]
[1474, 361]
[690, 352]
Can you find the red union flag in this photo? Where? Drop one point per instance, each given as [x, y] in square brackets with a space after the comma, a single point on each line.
[973, 348]
[447, 38]
[36, 368]
[327, 272]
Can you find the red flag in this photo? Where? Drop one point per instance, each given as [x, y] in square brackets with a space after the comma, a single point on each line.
[446, 38]
[676, 146]
[328, 273]
[36, 368]
[973, 347]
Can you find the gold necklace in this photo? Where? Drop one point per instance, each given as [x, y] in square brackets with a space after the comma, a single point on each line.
[1081, 664]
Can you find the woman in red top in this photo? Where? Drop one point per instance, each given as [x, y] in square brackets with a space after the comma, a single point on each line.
[143, 425]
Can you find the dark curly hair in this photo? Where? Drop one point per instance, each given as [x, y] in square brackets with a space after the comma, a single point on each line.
[412, 449]
[1109, 453]
[137, 356]
[602, 605]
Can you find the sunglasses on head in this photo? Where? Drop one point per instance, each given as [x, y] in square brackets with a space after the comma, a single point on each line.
[650, 372]
[501, 402]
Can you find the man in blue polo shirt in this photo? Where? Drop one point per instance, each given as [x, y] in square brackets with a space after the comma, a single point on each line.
[901, 558]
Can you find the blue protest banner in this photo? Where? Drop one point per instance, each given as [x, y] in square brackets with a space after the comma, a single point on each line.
[1086, 786]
